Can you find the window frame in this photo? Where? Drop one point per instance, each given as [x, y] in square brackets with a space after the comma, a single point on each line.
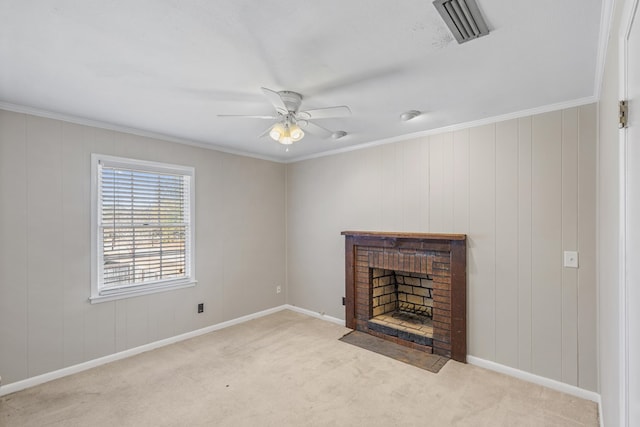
[132, 290]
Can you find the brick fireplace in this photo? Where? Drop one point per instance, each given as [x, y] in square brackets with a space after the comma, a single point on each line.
[409, 288]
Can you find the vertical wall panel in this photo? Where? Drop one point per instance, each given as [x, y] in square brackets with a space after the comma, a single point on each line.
[301, 212]
[100, 331]
[209, 169]
[481, 245]
[414, 184]
[570, 243]
[524, 244]
[447, 182]
[136, 320]
[105, 326]
[425, 205]
[546, 264]
[44, 240]
[76, 248]
[388, 181]
[587, 305]
[119, 323]
[14, 302]
[135, 147]
[507, 243]
[460, 180]
[251, 228]
[436, 184]
[161, 316]
[360, 201]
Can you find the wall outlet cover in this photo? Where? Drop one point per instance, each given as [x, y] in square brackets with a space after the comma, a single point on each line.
[571, 259]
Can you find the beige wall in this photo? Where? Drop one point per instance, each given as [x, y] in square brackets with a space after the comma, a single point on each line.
[523, 190]
[46, 322]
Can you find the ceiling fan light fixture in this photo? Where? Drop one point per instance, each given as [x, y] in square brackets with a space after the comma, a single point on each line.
[286, 140]
[289, 118]
[277, 131]
[296, 132]
[286, 134]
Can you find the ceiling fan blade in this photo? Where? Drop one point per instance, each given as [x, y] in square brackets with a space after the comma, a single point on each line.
[359, 79]
[276, 100]
[323, 113]
[315, 129]
[247, 117]
[266, 132]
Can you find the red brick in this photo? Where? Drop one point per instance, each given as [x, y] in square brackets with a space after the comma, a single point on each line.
[440, 326]
[441, 319]
[442, 306]
[441, 286]
[441, 266]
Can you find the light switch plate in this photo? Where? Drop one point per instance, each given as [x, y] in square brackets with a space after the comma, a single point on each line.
[571, 259]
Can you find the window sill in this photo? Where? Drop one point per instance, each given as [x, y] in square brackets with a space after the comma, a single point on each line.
[130, 293]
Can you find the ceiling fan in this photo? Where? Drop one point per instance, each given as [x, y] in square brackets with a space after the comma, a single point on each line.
[290, 121]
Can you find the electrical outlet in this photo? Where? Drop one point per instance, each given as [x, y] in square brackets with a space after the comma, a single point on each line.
[278, 289]
[344, 301]
[201, 307]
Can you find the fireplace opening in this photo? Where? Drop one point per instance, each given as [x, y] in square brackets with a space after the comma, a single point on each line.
[402, 305]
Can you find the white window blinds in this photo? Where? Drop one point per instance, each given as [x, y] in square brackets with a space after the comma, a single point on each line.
[144, 225]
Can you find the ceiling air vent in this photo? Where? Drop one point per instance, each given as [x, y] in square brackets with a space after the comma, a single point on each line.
[463, 19]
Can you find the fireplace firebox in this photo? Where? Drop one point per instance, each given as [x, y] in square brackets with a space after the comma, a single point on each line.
[409, 288]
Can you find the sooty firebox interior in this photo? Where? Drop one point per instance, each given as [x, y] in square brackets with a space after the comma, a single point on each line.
[402, 301]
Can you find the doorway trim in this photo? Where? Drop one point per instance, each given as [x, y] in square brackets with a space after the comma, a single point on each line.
[627, 20]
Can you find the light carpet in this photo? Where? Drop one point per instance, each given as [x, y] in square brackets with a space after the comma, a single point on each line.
[287, 369]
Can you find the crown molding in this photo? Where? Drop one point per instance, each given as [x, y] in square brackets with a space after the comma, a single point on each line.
[459, 126]
[134, 131]
[452, 128]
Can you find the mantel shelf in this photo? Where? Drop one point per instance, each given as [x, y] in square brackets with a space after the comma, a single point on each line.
[401, 235]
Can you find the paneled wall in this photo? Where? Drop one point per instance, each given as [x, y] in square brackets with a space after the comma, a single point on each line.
[46, 321]
[523, 191]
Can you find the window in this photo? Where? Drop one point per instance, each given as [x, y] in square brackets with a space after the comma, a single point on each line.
[142, 218]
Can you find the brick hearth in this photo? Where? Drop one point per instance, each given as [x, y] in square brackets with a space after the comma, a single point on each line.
[408, 288]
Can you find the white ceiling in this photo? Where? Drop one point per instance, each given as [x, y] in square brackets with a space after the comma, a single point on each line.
[171, 66]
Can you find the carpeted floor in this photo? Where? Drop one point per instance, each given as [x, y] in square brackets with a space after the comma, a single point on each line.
[287, 369]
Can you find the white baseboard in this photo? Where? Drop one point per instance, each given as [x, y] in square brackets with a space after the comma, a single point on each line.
[317, 315]
[40, 379]
[536, 379]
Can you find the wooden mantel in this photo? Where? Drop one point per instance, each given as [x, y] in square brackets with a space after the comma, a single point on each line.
[401, 235]
[410, 252]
